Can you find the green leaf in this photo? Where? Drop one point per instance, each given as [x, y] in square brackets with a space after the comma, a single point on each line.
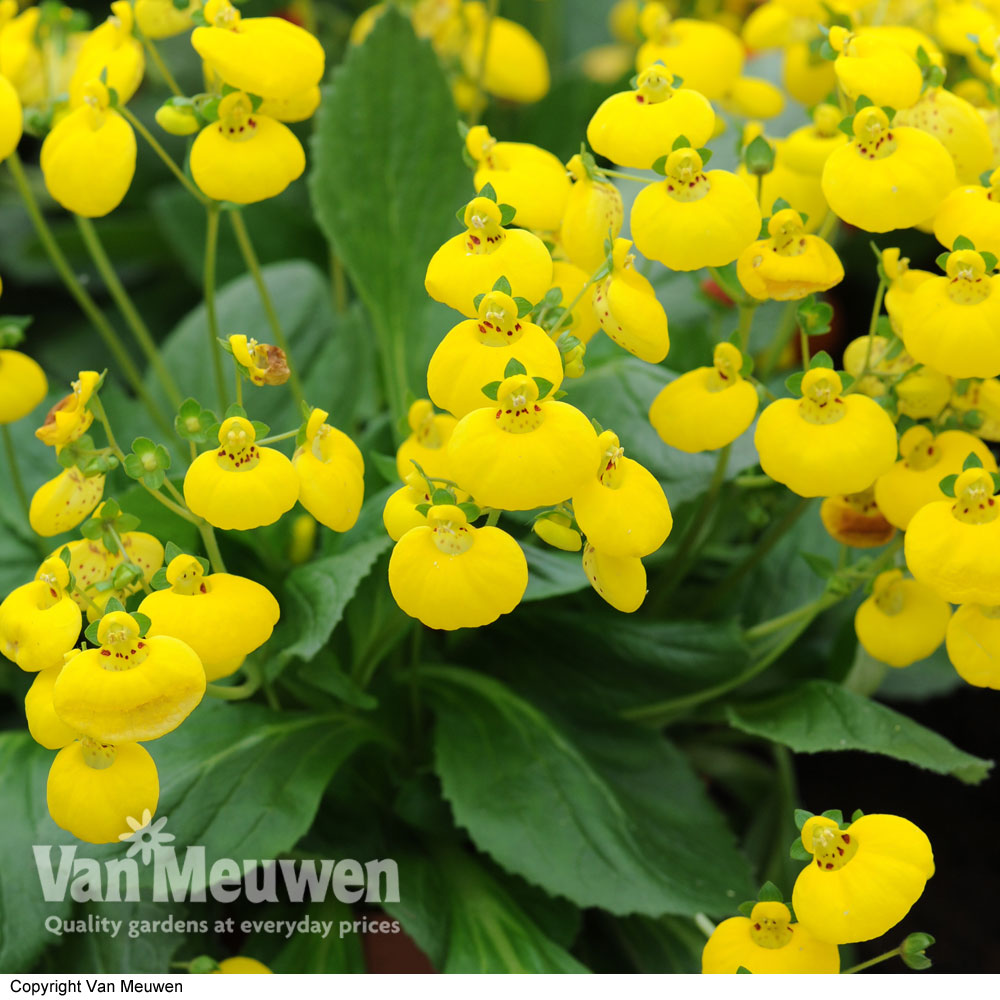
[514, 367]
[947, 485]
[598, 810]
[487, 191]
[507, 213]
[820, 715]
[770, 893]
[821, 360]
[972, 461]
[315, 597]
[820, 565]
[401, 127]
[660, 166]
[544, 387]
[800, 816]
[502, 285]
[491, 389]
[963, 243]
[681, 142]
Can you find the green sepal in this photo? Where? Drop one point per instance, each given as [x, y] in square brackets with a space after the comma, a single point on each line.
[596, 425]
[743, 971]
[514, 367]
[856, 815]
[794, 383]
[12, 329]
[681, 142]
[947, 485]
[423, 508]
[502, 285]
[234, 410]
[972, 461]
[706, 154]
[142, 621]
[836, 815]
[113, 605]
[864, 101]
[746, 907]
[846, 380]
[911, 951]
[260, 429]
[821, 360]
[989, 259]
[544, 386]
[972, 419]
[894, 349]
[470, 510]
[442, 495]
[770, 893]
[487, 191]
[797, 850]
[491, 389]
[942, 259]
[963, 243]
[800, 816]
[159, 580]
[507, 213]
[660, 166]
[477, 299]
[779, 206]
[524, 306]
[91, 633]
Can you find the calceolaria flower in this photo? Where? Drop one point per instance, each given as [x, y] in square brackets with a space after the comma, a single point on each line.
[476, 351]
[64, 502]
[767, 942]
[523, 452]
[71, 416]
[594, 214]
[973, 644]
[240, 485]
[39, 622]
[265, 364]
[570, 280]
[427, 443]
[950, 543]
[94, 787]
[972, 211]
[331, 474]
[401, 512]
[46, 728]
[22, 384]
[11, 117]
[902, 621]
[692, 218]
[635, 128]
[526, 177]
[889, 176]
[130, 688]
[862, 880]
[267, 56]
[88, 159]
[855, 520]
[953, 322]
[449, 574]
[515, 67]
[242, 966]
[870, 63]
[112, 54]
[245, 156]
[622, 509]
[474, 261]
[825, 443]
[790, 264]
[706, 408]
[197, 607]
[619, 580]
[628, 310]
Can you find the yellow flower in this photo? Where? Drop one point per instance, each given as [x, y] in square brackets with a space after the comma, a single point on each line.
[956, 124]
[570, 280]
[635, 128]
[705, 55]
[472, 262]
[925, 459]
[526, 177]
[523, 452]
[242, 966]
[427, 443]
[806, 75]
[297, 108]
[593, 215]
[825, 443]
[863, 880]
[556, 529]
[855, 520]
[88, 159]
[63, 502]
[22, 384]
[221, 617]
[92, 564]
[753, 97]
[400, 511]
[515, 68]
[39, 621]
[161, 19]
[111, 54]
[449, 574]
[973, 212]
[706, 408]
[953, 322]
[923, 394]
[245, 156]
[628, 310]
[619, 580]
[94, 788]
[973, 644]
[20, 57]
[983, 397]
[903, 283]
[692, 219]
[790, 264]
[765, 943]
[331, 474]
[46, 728]
[902, 622]
[860, 357]
[265, 363]
[808, 148]
[241, 485]
[129, 689]
[476, 351]
[622, 509]
[266, 56]
[872, 63]
[950, 544]
[10, 118]
[71, 416]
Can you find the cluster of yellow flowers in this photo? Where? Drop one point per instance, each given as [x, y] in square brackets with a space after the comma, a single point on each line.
[861, 880]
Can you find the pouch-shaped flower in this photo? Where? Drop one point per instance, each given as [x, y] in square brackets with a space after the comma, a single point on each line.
[972, 211]
[593, 216]
[427, 443]
[11, 117]
[46, 728]
[973, 644]
[110, 53]
[619, 580]
[331, 474]
[515, 67]
[854, 519]
[22, 384]
[64, 502]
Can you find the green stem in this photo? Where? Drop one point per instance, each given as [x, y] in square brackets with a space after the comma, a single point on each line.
[492, 8]
[678, 565]
[89, 308]
[625, 177]
[239, 389]
[162, 154]
[157, 60]
[768, 540]
[493, 518]
[278, 437]
[15, 472]
[253, 264]
[884, 957]
[567, 315]
[211, 249]
[804, 347]
[786, 326]
[829, 224]
[127, 308]
[211, 544]
[873, 325]
[746, 313]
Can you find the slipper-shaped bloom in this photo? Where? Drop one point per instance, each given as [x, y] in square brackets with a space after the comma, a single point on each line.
[201, 610]
[64, 502]
[331, 474]
[22, 384]
[619, 580]
[39, 622]
[112, 54]
[241, 485]
[129, 688]
[972, 211]
[854, 519]
[245, 156]
[973, 644]
[88, 159]
[515, 67]
[706, 408]
[872, 63]
[11, 118]
[523, 452]
[95, 788]
[449, 574]
[427, 444]
[593, 216]
[46, 728]
[163, 19]
[71, 416]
